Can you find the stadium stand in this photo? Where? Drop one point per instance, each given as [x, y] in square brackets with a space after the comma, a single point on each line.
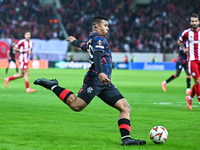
[153, 27]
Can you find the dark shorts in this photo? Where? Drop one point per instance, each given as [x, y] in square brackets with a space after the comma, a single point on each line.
[180, 66]
[9, 60]
[107, 92]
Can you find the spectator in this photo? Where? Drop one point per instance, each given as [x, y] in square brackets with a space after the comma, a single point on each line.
[152, 28]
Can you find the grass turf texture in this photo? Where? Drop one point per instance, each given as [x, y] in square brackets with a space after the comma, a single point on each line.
[40, 121]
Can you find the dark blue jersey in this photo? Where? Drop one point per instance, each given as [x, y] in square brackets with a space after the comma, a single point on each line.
[12, 52]
[97, 42]
[182, 57]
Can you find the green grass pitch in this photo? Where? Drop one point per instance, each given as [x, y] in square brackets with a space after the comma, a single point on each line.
[40, 121]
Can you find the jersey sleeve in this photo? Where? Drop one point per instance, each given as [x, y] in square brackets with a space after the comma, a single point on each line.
[84, 46]
[184, 36]
[19, 44]
[98, 44]
[81, 44]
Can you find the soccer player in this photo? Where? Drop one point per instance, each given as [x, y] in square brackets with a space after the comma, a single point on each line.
[11, 53]
[24, 47]
[97, 81]
[180, 63]
[192, 35]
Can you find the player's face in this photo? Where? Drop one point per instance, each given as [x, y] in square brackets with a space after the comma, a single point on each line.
[27, 35]
[103, 28]
[194, 22]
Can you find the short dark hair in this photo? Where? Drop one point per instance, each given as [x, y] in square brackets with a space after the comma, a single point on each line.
[98, 19]
[194, 16]
[27, 31]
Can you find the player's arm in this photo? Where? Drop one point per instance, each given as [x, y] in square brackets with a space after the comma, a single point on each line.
[183, 38]
[182, 45]
[97, 63]
[98, 47]
[21, 51]
[8, 54]
[78, 43]
[31, 54]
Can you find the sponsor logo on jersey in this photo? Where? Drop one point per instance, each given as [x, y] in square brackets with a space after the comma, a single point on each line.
[97, 46]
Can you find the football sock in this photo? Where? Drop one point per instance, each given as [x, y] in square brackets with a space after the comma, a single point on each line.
[124, 128]
[62, 93]
[11, 78]
[188, 81]
[27, 84]
[190, 98]
[171, 78]
[6, 70]
[193, 91]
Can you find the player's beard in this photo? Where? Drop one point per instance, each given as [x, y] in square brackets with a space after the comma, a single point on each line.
[194, 27]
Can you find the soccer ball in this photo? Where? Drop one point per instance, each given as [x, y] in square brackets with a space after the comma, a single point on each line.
[158, 134]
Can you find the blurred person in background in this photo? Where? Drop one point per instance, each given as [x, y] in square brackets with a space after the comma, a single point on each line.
[192, 35]
[181, 63]
[24, 47]
[11, 53]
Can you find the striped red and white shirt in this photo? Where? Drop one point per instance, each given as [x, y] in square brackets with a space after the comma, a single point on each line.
[24, 45]
[193, 38]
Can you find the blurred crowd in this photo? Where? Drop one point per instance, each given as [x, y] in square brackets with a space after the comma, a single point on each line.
[133, 28]
[18, 16]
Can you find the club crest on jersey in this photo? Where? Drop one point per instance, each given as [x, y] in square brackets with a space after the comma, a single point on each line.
[89, 89]
[193, 74]
[100, 42]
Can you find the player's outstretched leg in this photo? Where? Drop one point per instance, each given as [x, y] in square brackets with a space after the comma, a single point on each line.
[129, 141]
[188, 91]
[164, 85]
[67, 96]
[189, 102]
[6, 82]
[48, 84]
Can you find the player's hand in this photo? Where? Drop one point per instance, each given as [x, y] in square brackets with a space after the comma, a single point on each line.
[103, 78]
[185, 50]
[24, 50]
[70, 39]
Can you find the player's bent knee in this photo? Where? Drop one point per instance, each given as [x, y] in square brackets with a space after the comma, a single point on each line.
[197, 81]
[77, 108]
[123, 105]
[128, 108]
[78, 105]
[18, 75]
